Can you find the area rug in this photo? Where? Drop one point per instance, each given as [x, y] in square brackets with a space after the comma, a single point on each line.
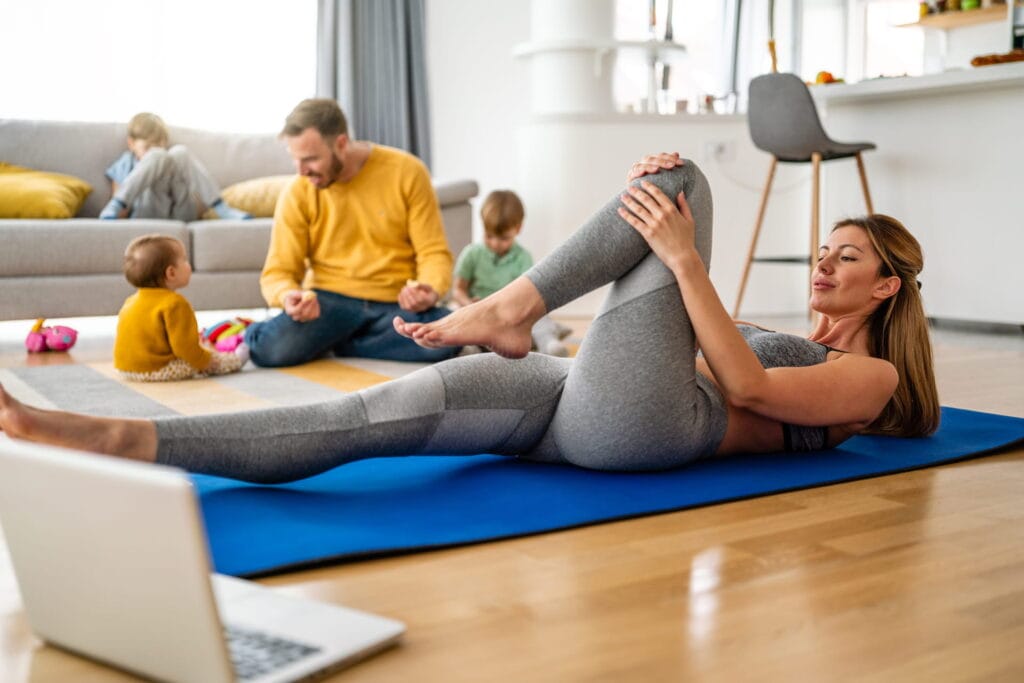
[397, 505]
[97, 389]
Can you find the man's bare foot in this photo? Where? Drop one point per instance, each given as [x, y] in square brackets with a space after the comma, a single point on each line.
[135, 439]
[501, 322]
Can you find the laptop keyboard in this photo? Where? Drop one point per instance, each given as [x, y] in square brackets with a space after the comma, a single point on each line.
[255, 653]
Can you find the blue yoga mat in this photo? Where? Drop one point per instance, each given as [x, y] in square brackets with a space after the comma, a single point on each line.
[397, 505]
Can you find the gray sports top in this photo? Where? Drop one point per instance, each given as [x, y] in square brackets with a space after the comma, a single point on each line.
[778, 350]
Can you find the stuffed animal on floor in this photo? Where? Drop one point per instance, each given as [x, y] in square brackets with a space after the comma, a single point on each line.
[55, 338]
[226, 335]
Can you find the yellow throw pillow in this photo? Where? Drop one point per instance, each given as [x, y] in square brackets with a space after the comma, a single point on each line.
[257, 197]
[25, 193]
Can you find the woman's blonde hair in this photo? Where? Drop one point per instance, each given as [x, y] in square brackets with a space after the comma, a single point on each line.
[899, 331]
[149, 128]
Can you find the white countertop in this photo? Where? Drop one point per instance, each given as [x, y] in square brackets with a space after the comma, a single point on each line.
[976, 78]
[590, 118]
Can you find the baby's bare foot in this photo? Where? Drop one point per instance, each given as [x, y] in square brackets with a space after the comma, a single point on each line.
[501, 322]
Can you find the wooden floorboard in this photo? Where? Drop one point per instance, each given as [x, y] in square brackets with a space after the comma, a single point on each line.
[910, 577]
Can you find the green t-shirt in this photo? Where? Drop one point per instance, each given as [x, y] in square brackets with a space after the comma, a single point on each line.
[487, 272]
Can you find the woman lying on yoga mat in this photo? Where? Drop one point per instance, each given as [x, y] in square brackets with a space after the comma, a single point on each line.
[637, 397]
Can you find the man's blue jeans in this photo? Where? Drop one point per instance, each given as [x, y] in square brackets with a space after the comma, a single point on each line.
[346, 326]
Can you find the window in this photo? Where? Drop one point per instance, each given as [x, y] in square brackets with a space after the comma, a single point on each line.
[888, 49]
[696, 24]
[858, 39]
[706, 29]
[232, 65]
[853, 39]
[823, 37]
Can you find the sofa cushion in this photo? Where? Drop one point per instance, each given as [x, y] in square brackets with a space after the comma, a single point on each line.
[76, 247]
[25, 193]
[230, 245]
[234, 157]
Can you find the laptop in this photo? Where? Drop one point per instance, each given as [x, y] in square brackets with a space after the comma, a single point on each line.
[112, 563]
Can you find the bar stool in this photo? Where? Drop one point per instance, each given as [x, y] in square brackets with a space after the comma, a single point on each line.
[784, 122]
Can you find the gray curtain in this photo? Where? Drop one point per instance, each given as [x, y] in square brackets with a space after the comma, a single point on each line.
[372, 59]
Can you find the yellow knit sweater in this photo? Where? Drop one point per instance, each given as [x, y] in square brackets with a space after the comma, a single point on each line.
[363, 238]
[154, 327]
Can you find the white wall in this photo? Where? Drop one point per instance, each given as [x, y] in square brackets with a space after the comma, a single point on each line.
[566, 168]
[478, 92]
[964, 44]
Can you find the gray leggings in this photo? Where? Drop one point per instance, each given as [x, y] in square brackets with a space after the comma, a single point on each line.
[168, 184]
[630, 400]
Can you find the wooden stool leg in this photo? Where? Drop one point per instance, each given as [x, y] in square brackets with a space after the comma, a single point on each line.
[864, 183]
[753, 239]
[815, 227]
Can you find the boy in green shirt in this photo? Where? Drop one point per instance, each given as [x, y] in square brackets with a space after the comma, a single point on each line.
[483, 269]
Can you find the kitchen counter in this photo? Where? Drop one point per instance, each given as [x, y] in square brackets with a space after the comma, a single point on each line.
[1009, 75]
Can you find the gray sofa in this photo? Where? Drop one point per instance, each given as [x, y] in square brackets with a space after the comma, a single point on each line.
[57, 268]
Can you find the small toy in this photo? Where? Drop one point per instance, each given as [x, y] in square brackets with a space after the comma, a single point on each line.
[308, 295]
[226, 335]
[55, 338]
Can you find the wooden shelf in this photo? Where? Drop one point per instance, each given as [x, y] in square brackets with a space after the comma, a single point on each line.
[956, 19]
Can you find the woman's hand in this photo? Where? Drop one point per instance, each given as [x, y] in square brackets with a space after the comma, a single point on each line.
[668, 229]
[652, 163]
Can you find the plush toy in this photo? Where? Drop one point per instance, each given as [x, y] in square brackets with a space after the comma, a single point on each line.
[226, 335]
[55, 338]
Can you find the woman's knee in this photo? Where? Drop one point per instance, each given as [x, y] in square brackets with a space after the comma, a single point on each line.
[687, 179]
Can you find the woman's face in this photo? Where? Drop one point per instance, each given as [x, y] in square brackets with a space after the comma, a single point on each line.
[846, 279]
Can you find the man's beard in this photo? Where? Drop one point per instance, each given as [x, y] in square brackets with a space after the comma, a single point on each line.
[332, 174]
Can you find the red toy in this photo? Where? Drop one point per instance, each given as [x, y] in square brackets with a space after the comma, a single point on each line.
[56, 338]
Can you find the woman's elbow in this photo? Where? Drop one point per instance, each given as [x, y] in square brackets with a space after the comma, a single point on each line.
[747, 396]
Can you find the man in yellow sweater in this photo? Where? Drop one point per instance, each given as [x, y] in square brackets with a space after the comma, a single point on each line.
[357, 240]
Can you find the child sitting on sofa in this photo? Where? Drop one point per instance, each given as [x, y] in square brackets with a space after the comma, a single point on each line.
[157, 335]
[151, 181]
[483, 269]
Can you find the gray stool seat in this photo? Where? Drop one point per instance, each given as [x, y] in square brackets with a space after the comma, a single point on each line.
[836, 150]
[784, 122]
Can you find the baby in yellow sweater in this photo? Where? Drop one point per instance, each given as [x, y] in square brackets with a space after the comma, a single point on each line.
[157, 334]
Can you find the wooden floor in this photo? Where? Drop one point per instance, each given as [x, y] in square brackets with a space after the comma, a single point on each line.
[912, 577]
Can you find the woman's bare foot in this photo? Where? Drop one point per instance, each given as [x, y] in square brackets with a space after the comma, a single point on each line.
[135, 439]
[501, 322]
[15, 418]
